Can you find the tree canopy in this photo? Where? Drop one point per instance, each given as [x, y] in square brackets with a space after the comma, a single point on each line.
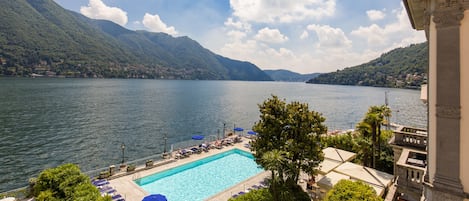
[65, 182]
[346, 190]
[402, 68]
[291, 130]
[288, 142]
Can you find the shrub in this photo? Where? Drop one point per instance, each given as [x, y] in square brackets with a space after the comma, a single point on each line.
[346, 190]
[65, 182]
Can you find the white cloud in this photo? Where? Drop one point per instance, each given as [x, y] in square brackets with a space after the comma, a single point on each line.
[332, 49]
[96, 9]
[237, 24]
[395, 34]
[154, 23]
[270, 36]
[375, 15]
[269, 11]
[304, 35]
[330, 37]
[236, 35]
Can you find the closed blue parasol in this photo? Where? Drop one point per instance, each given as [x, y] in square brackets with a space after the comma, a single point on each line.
[155, 197]
[197, 137]
[252, 133]
[238, 129]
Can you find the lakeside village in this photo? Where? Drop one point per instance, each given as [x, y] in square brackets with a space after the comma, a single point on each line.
[300, 162]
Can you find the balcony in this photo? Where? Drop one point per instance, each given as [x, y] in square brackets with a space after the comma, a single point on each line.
[410, 171]
[410, 137]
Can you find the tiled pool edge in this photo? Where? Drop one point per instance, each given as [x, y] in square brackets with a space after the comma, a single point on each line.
[169, 172]
[241, 186]
[132, 192]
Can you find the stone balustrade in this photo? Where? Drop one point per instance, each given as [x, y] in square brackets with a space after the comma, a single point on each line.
[413, 137]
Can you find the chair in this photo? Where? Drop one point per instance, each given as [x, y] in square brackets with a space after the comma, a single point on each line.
[116, 197]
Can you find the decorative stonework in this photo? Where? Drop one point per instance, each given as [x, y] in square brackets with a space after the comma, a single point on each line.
[448, 17]
[448, 3]
[448, 111]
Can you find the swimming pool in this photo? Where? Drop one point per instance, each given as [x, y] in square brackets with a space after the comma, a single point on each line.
[203, 178]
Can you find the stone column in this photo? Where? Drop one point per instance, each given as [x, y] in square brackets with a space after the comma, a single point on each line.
[447, 16]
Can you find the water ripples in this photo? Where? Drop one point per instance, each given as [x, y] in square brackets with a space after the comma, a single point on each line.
[48, 122]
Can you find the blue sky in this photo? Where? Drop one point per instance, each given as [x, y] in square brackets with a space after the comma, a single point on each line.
[303, 36]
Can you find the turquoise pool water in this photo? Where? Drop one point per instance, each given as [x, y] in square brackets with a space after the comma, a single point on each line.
[201, 179]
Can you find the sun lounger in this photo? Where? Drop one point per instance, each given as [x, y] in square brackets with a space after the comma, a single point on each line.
[110, 191]
[104, 188]
[102, 183]
[116, 197]
[98, 181]
[196, 150]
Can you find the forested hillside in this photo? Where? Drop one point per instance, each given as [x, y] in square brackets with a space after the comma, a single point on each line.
[38, 37]
[401, 67]
[289, 76]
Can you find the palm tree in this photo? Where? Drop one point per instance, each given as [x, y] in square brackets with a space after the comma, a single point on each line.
[274, 161]
[373, 120]
[375, 117]
[385, 112]
[364, 143]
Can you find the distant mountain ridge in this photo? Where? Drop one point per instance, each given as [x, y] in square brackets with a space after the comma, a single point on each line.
[40, 37]
[289, 76]
[401, 68]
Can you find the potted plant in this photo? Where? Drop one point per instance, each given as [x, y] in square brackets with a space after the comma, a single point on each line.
[131, 167]
[104, 175]
[149, 163]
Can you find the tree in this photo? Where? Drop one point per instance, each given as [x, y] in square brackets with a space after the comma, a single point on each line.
[288, 141]
[274, 161]
[373, 121]
[65, 182]
[346, 190]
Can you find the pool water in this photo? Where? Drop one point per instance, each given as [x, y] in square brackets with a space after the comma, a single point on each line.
[203, 178]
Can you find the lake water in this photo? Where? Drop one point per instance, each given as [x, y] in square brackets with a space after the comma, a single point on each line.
[48, 122]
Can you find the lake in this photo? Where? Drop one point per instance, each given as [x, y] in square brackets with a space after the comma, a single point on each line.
[48, 122]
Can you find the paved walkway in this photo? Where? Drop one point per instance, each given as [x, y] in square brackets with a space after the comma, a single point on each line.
[132, 192]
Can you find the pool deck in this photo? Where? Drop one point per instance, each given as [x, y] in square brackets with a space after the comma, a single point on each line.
[132, 192]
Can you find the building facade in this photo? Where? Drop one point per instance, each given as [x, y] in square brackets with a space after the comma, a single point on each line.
[446, 23]
[410, 162]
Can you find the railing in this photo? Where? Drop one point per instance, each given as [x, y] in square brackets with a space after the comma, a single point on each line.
[411, 137]
[410, 177]
[139, 163]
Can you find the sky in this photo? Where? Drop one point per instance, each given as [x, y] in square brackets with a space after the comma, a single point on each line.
[304, 36]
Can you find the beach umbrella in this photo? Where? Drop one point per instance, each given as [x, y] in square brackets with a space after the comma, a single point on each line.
[155, 197]
[197, 137]
[238, 129]
[252, 133]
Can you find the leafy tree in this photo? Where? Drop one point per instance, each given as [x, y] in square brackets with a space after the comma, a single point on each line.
[346, 190]
[288, 141]
[65, 182]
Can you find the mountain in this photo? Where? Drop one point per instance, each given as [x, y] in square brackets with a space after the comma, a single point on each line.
[40, 37]
[402, 68]
[289, 76]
